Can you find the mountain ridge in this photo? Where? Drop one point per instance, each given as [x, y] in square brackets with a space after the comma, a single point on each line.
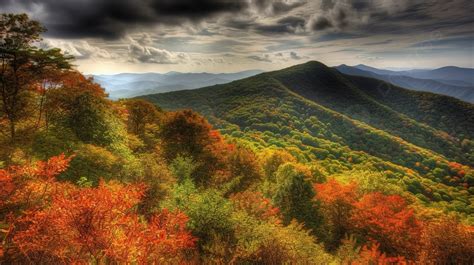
[126, 85]
[345, 124]
[444, 87]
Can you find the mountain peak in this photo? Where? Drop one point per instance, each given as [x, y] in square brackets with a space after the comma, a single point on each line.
[310, 66]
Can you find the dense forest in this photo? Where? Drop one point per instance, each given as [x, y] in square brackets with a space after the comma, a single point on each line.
[286, 174]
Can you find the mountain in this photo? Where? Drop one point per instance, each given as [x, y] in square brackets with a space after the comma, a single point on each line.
[458, 88]
[126, 85]
[350, 126]
[447, 73]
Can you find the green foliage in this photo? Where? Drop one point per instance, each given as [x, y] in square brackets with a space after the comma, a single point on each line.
[93, 162]
[244, 169]
[209, 212]
[272, 243]
[183, 168]
[92, 122]
[294, 196]
[53, 142]
[24, 67]
[317, 114]
[249, 198]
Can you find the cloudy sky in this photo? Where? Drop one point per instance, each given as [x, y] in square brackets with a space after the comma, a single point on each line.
[112, 36]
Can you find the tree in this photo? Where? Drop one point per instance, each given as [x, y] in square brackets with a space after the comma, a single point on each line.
[294, 196]
[389, 221]
[186, 133]
[140, 113]
[337, 204]
[446, 241]
[272, 159]
[243, 168]
[256, 205]
[24, 67]
[60, 99]
[57, 222]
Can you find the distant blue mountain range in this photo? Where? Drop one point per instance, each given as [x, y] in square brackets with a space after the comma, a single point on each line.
[127, 85]
[450, 80]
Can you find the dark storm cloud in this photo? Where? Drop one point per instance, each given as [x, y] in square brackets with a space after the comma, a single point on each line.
[277, 7]
[321, 23]
[390, 16]
[111, 18]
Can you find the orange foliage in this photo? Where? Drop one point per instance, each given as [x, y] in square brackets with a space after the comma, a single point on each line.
[372, 255]
[7, 187]
[100, 224]
[255, 204]
[332, 192]
[31, 184]
[70, 224]
[77, 84]
[446, 241]
[337, 204]
[389, 221]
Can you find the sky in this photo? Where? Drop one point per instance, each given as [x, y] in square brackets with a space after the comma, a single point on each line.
[114, 36]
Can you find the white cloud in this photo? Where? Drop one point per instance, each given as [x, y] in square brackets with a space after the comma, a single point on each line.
[79, 49]
[139, 51]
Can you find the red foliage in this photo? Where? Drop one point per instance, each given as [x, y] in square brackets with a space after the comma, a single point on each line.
[165, 236]
[63, 223]
[7, 187]
[333, 192]
[337, 204]
[24, 185]
[100, 224]
[389, 221]
[455, 165]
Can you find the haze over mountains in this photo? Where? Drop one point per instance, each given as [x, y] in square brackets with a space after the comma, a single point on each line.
[451, 81]
[126, 85]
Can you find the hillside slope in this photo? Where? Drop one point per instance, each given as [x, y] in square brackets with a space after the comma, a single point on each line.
[343, 124]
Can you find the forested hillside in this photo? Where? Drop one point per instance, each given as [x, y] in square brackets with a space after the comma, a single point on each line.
[350, 127]
[286, 180]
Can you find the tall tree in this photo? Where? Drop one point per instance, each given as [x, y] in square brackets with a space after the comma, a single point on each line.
[24, 68]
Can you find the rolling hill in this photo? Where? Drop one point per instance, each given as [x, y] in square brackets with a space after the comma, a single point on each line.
[128, 85]
[350, 126]
[450, 81]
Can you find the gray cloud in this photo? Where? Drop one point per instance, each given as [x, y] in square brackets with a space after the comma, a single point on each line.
[110, 19]
[273, 57]
[263, 58]
[276, 31]
[295, 56]
[320, 23]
